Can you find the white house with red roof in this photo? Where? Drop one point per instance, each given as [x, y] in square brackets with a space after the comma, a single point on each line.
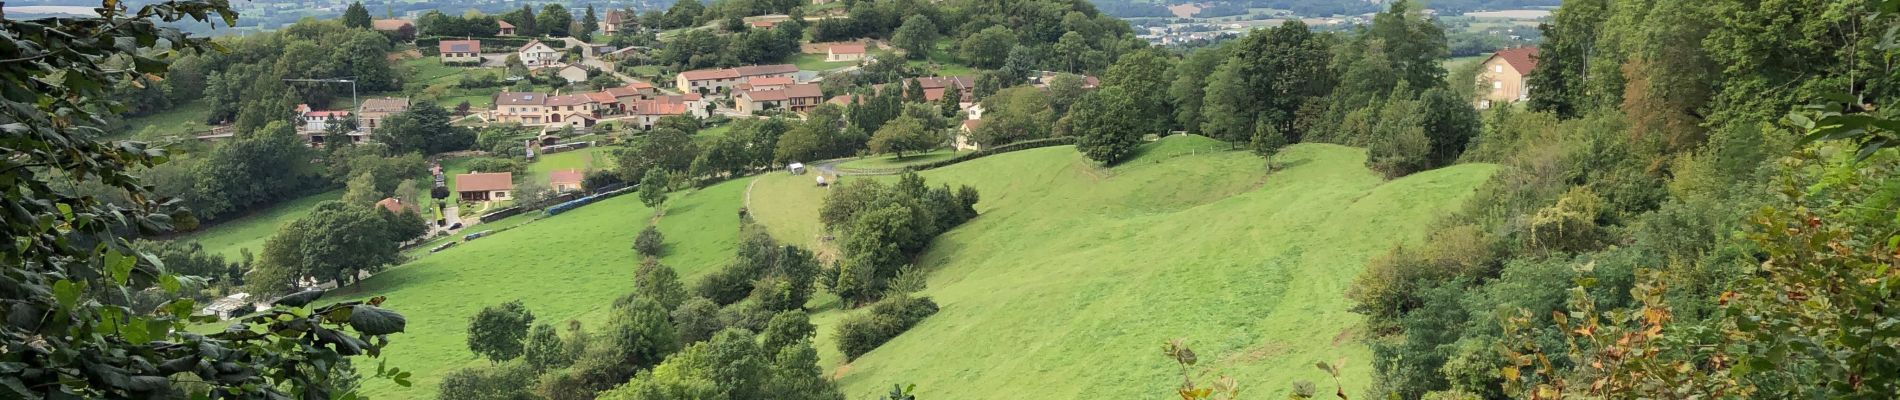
[537, 54]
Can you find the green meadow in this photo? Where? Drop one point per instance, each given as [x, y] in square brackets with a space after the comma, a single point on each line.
[1073, 276]
[1065, 285]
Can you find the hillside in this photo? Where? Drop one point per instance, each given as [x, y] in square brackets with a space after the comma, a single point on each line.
[1071, 268]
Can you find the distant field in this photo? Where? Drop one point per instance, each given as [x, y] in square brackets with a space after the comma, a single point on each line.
[816, 62]
[250, 231]
[1073, 275]
[184, 120]
[1511, 14]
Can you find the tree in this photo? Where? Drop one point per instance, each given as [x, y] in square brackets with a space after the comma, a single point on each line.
[917, 37]
[356, 16]
[659, 283]
[697, 320]
[554, 20]
[1564, 58]
[1414, 43]
[1224, 114]
[787, 328]
[683, 13]
[796, 375]
[649, 242]
[1064, 90]
[1188, 89]
[1144, 75]
[544, 350]
[361, 190]
[1108, 125]
[904, 134]
[988, 48]
[424, 128]
[639, 334]
[1450, 123]
[496, 332]
[653, 188]
[1399, 144]
[524, 21]
[589, 24]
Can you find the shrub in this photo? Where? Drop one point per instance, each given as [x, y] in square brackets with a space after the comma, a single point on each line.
[697, 320]
[888, 318]
[649, 242]
[748, 315]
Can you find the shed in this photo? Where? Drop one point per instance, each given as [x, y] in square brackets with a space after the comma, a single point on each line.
[796, 168]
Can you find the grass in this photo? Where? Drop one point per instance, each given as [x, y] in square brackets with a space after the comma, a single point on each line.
[185, 119]
[250, 231]
[591, 158]
[565, 267]
[942, 62]
[816, 62]
[1073, 274]
[884, 161]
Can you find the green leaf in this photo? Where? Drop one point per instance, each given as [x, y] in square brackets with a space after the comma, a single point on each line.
[67, 293]
[119, 266]
[371, 320]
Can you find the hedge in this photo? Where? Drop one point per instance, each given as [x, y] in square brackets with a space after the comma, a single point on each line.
[888, 318]
[1018, 146]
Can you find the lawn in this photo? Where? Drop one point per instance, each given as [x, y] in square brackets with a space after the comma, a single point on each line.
[884, 161]
[591, 158]
[250, 231]
[816, 62]
[565, 267]
[942, 62]
[1074, 275]
[188, 118]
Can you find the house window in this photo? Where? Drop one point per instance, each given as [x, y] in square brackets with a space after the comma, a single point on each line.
[1497, 68]
[1499, 85]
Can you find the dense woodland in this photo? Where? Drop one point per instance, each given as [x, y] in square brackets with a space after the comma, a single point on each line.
[1697, 200]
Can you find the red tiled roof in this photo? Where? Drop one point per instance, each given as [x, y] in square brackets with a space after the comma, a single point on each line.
[567, 100]
[613, 17]
[531, 43]
[763, 24]
[709, 74]
[640, 84]
[658, 107]
[805, 90]
[459, 46]
[971, 124]
[386, 104]
[771, 81]
[773, 69]
[327, 113]
[392, 204]
[601, 97]
[571, 176]
[687, 97]
[847, 49]
[484, 182]
[504, 24]
[520, 99]
[764, 95]
[1523, 59]
[843, 99]
[626, 91]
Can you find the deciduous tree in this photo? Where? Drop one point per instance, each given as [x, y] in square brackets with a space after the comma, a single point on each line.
[1108, 125]
[496, 332]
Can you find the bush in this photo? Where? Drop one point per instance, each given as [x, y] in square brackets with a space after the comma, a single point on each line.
[749, 315]
[649, 242]
[697, 320]
[888, 318]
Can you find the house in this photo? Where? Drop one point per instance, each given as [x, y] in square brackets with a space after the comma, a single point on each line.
[572, 73]
[1503, 78]
[763, 24]
[314, 125]
[936, 86]
[964, 141]
[520, 108]
[393, 205]
[373, 111]
[576, 110]
[537, 54]
[797, 98]
[507, 29]
[766, 83]
[567, 180]
[845, 52]
[392, 25]
[711, 80]
[479, 186]
[612, 24]
[604, 103]
[460, 51]
[644, 113]
[708, 80]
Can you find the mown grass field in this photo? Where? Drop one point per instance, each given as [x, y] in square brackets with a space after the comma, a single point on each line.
[249, 232]
[564, 267]
[816, 62]
[188, 118]
[1074, 275]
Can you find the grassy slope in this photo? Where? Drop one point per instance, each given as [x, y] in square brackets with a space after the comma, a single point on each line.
[568, 266]
[1072, 268]
[816, 62]
[185, 118]
[250, 231]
